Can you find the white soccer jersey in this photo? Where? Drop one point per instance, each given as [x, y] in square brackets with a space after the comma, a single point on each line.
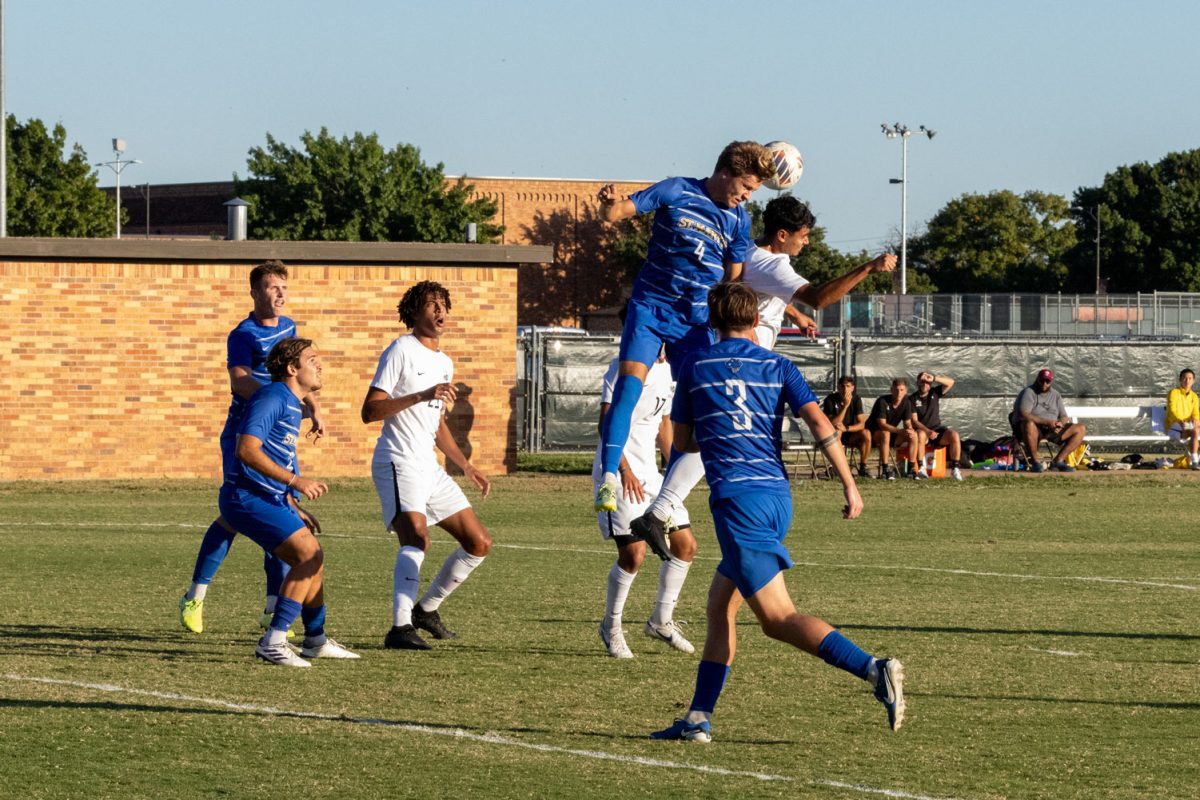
[772, 277]
[405, 367]
[652, 406]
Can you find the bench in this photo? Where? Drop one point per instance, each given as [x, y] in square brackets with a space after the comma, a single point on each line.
[1155, 414]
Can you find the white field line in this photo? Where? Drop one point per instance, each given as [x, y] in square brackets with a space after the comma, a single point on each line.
[1163, 583]
[1069, 653]
[456, 733]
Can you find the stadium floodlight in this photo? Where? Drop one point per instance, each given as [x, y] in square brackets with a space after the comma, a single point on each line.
[118, 166]
[902, 132]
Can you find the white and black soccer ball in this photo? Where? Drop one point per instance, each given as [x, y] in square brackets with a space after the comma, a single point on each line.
[789, 165]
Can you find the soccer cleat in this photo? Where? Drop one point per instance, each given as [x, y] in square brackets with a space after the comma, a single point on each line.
[670, 634]
[264, 622]
[865, 472]
[922, 473]
[688, 731]
[279, 654]
[1061, 466]
[404, 637]
[915, 475]
[1194, 465]
[956, 473]
[326, 649]
[1037, 467]
[653, 531]
[614, 641]
[431, 621]
[889, 690]
[191, 614]
[606, 497]
[887, 473]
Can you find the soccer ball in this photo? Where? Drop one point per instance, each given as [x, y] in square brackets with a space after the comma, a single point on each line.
[788, 165]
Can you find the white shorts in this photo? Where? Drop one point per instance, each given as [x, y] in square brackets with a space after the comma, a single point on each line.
[416, 488]
[616, 523]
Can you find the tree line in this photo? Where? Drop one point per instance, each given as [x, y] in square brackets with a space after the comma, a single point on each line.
[354, 188]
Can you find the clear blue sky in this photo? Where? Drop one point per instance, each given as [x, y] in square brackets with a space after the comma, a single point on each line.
[1024, 95]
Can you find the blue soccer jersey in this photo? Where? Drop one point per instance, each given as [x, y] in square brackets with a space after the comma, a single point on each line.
[691, 241]
[248, 345]
[273, 416]
[732, 394]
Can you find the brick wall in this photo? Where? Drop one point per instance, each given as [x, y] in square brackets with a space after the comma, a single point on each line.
[116, 367]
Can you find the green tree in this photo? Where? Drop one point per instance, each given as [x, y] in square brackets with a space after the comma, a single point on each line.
[354, 189]
[49, 195]
[1149, 218]
[997, 242]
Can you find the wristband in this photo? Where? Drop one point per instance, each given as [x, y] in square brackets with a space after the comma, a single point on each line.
[291, 480]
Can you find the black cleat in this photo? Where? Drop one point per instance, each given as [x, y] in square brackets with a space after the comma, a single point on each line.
[653, 532]
[431, 621]
[404, 637]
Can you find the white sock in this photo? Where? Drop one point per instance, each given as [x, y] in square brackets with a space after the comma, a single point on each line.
[406, 578]
[873, 671]
[269, 604]
[694, 716]
[681, 478]
[671, 576]
[619, 582]
[1195, 459]
[275, 637]
[610, 478]
[454, 571]
[197, 591]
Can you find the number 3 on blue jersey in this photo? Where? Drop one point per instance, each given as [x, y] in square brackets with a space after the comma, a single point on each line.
[737, 390]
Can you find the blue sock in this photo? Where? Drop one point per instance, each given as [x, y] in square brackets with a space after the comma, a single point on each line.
[710, 680]
[838, 651]
[614, 430]
[286, 611]
[314, 621]
[276, 569]
[213, 549]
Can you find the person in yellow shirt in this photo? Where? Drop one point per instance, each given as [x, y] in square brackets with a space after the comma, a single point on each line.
[1183, 416]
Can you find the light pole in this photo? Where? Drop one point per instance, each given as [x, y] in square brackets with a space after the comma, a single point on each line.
[902, 132]
[118, 166]
[1095, 215]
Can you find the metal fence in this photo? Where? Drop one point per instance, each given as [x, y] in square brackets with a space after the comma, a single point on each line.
[560, 376]
[1160, 314]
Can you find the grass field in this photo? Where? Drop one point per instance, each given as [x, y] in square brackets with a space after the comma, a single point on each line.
[1048, 625]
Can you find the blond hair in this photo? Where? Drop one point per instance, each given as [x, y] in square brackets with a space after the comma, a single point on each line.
[746, 158]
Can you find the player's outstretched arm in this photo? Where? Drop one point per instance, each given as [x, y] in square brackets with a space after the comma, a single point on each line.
[830, 443]
[820, 296]
[445, 442]
[612, 207]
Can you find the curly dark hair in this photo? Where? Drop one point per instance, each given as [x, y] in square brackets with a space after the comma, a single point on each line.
[410, 305]
[786, 213]
[285, 354]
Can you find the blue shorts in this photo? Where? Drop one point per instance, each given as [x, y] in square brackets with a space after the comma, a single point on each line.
[750, 530]
[267, 521]
[649, 325]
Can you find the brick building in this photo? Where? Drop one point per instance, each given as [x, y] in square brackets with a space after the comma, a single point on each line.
[553, 212]
[114, 350]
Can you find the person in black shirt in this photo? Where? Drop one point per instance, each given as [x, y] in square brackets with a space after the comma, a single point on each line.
[890, 422]
[844, 408]
[927, 418]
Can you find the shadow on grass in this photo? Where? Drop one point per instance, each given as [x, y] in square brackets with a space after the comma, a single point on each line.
[1178, 637]
[60, 640]
[1073, 701]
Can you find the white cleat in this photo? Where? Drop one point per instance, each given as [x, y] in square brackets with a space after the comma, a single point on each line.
[326, 649]
[670, 634]
[279, 654]
[614, 641]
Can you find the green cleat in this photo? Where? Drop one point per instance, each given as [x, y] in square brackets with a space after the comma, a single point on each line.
[264, 622]
[191, 614]
[606, 498]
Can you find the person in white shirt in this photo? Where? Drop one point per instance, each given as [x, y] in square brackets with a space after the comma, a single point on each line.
[768, 271]
[640, 481]
[410, 392]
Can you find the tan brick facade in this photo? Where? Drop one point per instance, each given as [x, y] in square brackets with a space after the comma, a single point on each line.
[116, 366]
[560, 214]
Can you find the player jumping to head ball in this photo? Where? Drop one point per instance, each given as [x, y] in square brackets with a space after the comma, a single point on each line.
[701, 236]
